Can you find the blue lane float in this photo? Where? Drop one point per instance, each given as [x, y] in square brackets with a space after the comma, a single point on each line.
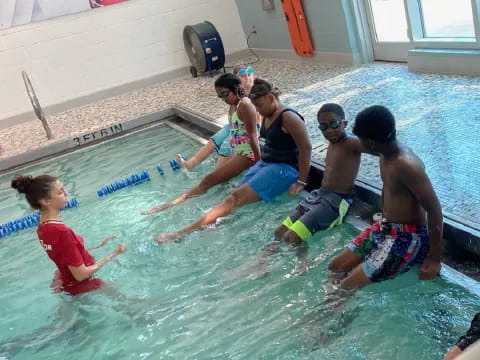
[28, 221]
[134, 179]
[71, 204]
[160, 170]
[175, 165]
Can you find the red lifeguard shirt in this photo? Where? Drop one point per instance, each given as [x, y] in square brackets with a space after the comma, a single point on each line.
[65, 248]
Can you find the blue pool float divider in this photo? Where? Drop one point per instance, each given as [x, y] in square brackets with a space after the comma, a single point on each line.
[134, 179]
[71, 204]
[160, 170]
[28, 221]
[175, 165]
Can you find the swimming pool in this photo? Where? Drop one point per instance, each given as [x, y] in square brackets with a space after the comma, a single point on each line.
[185, 302]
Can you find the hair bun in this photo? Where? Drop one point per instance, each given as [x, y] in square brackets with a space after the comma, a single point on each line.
[22, 183]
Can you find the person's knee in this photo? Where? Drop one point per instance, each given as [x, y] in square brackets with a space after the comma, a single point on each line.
[337, 265]
[210, 145]
[356, 280]
[208, 181]
[292, 238]
[232, 199]
[279, 232]
[345, 261]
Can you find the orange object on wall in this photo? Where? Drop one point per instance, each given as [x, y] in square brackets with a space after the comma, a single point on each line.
[298, 27]
[110, 2]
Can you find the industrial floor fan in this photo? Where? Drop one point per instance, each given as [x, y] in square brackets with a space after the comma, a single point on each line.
[204, 48]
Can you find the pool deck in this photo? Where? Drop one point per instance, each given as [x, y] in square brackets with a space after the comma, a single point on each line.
[437, 115]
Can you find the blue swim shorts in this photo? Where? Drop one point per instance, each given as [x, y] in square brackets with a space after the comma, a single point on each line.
[270, 179]
[221, 139]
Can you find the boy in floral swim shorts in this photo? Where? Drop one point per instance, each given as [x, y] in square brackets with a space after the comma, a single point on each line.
[411, 229]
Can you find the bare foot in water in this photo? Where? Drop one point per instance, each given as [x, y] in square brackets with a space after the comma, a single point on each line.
[156, 209]
[162, 239]
[183, 163]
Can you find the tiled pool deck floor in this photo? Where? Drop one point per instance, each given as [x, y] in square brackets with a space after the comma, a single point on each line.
[437, 115]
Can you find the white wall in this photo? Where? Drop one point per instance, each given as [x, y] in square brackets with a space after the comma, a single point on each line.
[85, 53]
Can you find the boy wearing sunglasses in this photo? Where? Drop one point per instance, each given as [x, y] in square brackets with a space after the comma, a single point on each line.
[326, 207]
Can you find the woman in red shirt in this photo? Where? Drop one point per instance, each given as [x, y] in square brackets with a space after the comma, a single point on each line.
[65, 248]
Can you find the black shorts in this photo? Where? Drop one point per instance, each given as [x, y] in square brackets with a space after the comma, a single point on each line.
[321, 210]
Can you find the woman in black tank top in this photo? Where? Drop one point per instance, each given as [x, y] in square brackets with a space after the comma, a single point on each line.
[283, 131]
[279, 146]
[284, 164]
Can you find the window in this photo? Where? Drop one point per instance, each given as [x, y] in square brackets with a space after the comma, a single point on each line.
[388, 27]
[398, 26]
[447, 18]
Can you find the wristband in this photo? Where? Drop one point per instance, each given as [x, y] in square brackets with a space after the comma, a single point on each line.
[300, 182]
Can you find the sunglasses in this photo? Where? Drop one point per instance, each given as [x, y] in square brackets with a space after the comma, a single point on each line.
[255, 96]
[246, 71]
[332, 125]
[224, 94]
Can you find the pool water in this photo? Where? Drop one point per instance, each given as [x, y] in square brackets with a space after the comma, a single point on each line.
[193, 299]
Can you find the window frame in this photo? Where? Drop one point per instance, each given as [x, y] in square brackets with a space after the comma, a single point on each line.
[417, 30]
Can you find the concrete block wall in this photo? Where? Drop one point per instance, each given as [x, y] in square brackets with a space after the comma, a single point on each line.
[85, 53]
[331, 25]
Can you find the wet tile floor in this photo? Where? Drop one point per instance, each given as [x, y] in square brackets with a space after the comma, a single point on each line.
[437, 115]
